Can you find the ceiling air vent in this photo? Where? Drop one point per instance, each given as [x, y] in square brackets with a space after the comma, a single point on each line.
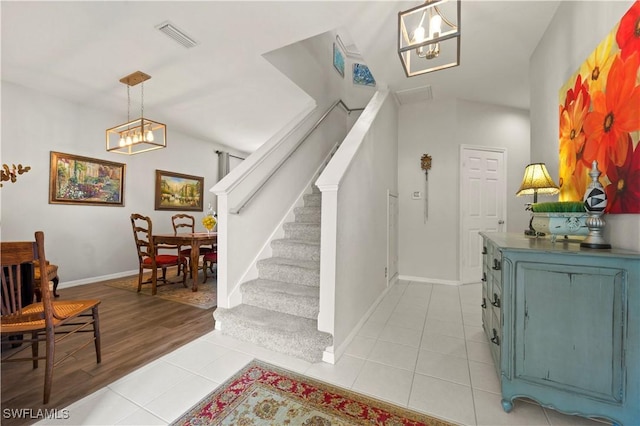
[176, 34]
[411, 96]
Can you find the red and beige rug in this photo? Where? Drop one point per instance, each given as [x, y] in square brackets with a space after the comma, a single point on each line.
[261, 394]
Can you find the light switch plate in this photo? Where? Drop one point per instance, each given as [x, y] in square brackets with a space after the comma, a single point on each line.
[416, 195]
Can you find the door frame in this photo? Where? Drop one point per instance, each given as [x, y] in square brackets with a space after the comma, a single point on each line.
[462, 195]
[395, 195]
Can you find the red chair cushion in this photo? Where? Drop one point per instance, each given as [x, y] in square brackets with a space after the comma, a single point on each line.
[162, 259]
[211, 257]
[185, 252]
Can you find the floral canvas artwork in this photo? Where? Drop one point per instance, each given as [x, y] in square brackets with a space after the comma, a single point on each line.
[338, 59]
[362, 75]
[600, 119]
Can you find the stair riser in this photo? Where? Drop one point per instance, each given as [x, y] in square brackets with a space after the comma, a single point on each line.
[308, 217]
[305, 232]
[282, 248]
[289, 274]
[312, 200]
[305, 307]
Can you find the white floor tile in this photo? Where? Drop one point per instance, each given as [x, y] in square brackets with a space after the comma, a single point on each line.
[360, 346]
[478, 351]
[143, 386]
[196, 354]
[103, 407]
[343, 373]
[224, 367]
[444, 344]
[371, 329]
[179, 398]
[484, 377]
[401, 335]
[444, 367]
[448, 328]
[489, 411]
[558, 419]
[384, 382]
[394, 355]
[142, 417]
[475, 334]
[441, 398]
[413, 321]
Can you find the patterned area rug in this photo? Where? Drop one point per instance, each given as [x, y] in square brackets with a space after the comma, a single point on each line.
[204, 298]
[261, 394]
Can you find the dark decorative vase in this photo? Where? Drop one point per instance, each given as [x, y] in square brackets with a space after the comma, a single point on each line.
[595, 201]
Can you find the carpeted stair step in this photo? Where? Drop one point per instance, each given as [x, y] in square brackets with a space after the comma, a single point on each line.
[307, 214]
[312, 200]
[288, 298]
[279, 332]
[296, 249]
[315, 189]
[302, 231]
[296, 271]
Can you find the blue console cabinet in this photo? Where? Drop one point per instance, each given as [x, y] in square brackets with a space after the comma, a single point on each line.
[564, 325]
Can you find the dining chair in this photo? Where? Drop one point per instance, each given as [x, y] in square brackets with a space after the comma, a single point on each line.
[46, 321]
[208, 260]
[148, 256]
[183, 222]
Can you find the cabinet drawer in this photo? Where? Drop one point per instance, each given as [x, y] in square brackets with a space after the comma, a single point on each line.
[495, 338]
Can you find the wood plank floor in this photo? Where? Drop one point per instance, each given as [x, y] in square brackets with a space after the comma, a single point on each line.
[135, 330]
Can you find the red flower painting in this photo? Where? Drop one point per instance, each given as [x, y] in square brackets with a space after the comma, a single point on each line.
[600, 119]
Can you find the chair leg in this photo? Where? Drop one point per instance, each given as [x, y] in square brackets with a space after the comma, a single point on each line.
[154, 281]
[96, 334]
[184, 273]
[48, 373]
[140, 272]
[34, 349]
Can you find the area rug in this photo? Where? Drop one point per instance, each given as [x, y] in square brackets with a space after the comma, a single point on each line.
[261, 394]
[204, 298]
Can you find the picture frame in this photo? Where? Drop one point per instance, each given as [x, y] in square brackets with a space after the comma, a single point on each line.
[362, 75]
[338, 60]
[74, 179]
[177, 191]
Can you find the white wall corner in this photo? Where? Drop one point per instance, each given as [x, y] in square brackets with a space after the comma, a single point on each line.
[328, 241]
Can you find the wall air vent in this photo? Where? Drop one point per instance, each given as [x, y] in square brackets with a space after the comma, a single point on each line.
[411, 96]
[176, 34]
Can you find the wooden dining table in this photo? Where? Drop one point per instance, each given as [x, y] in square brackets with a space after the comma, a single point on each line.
[195, 240]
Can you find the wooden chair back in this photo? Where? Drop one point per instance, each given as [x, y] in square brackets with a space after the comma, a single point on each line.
[183, 222]
[143, 235]
[16, 255]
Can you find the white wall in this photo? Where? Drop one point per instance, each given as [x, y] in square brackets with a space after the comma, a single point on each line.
[354, 189]
[575, 31]
[85, 241]
[430, 250]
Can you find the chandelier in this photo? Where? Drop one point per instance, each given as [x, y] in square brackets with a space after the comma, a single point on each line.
[140, 135]
[429, 37]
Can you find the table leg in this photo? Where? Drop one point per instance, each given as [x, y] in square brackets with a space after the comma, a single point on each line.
[195, 258]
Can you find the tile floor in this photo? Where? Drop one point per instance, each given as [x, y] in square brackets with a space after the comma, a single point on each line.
[423, 348]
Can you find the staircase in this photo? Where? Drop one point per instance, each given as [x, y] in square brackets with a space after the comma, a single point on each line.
[279, 309]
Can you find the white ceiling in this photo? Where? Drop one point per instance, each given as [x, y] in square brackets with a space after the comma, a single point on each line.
[223, 90]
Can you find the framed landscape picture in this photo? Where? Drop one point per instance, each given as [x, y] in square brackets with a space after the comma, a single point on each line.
[338, 60]
[82, 180]
[175, 191]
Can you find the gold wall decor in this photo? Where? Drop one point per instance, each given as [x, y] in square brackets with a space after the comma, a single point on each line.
[425, 164]
[11, 173]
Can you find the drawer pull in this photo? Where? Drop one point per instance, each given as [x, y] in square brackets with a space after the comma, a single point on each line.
[484, 303]
[484, 277]
[496, 265]
[496, 300]
[484, 250]
[495, 339]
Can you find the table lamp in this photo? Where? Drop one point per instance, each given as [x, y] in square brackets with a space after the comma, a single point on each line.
[536, 181]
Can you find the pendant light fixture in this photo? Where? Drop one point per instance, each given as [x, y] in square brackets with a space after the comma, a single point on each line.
[139, 135]
[429, 37]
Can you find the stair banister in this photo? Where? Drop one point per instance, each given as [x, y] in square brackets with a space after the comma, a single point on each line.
[264, 181]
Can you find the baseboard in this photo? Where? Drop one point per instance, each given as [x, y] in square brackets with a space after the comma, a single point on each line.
[428, 280]
[92, 280]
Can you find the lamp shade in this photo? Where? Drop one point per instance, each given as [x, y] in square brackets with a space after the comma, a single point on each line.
[536, 180]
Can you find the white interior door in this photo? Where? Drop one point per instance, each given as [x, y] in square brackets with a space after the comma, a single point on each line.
[482, 200]
[392, 238]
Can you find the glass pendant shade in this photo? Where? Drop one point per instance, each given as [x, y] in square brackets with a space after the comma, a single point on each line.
[429, 37]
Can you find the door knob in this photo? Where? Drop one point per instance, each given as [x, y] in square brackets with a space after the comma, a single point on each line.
[500, 222]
